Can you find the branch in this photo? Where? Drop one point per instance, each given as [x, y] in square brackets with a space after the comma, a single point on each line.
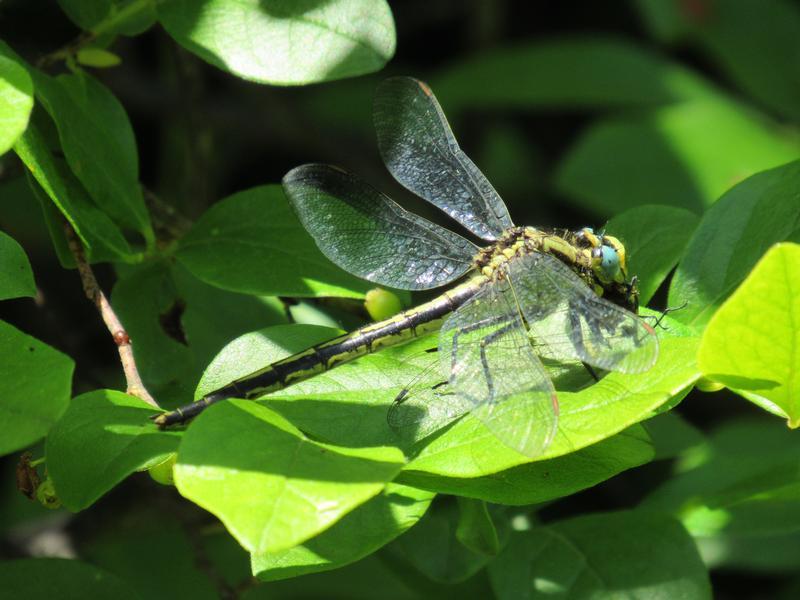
[121, 338]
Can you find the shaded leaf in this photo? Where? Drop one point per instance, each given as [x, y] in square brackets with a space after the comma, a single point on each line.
[60, 578]
[752, 343]
[129, 17]
[101, 238]
[98, 143]
[631, 554]
[251, 242]
[35, 384]
[16, 277]
[103, 437]
[284, 42]
[655, 238]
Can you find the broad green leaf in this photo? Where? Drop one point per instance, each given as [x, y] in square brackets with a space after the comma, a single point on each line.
[754, 43]
[583, 72]
[630, 554]
[743, 484]
[684, 155]
[431, 546]
[358, 534]
[253, 351]
[272, 487]
[654, 238]
[101, 238]
[251, 242]
[16, 98]
[672, 435]
[773, 553]
[35, 383]
[284, 42]
[16, 277]
[128, 17]
[468, 449]
[39, 578]
[98, 143]
[752, 343]
[732, 236]
[475, 529]
[546, 480]
[103, 437]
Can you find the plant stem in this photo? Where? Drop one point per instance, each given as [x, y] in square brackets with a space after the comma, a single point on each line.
[121, 338]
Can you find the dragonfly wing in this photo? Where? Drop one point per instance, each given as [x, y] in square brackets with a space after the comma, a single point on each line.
[419, 149]
[485, 347]
[368, 234]
[569, 321]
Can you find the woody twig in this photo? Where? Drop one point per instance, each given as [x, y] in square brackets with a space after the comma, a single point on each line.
[121, 338]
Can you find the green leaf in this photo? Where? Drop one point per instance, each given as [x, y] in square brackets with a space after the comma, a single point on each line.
[631, 554]
[546, 480]
[272, 487]
[468, 449]
[35, 382]
[433, 549]
[752, 343]
[358, 534]
[252, 243]
[672, 435]
[668, 157]
[128, 17]
[743, 484]
[101, 238]
[732, 236]
[654, 238]
[583, 72]
[16, 277]
[60, 578]
[98, 142]
[475, 528]
[16, 98]
[284, 42]
[103, 437]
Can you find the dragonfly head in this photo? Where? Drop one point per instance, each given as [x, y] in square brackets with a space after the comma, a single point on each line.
[609, 268]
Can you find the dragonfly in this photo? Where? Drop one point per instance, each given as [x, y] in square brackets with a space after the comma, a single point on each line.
[525, 294]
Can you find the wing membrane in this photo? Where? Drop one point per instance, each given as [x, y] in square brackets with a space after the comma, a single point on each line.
[366, 233]
[569, 321]
[419, 149]
[485, 348]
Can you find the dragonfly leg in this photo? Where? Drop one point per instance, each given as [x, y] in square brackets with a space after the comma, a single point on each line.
[469, 329]
[489, 339]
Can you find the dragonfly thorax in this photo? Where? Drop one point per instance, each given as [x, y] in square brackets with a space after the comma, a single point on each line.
[587, 254]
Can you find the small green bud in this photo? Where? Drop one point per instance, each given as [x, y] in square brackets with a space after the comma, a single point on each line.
[382, 304]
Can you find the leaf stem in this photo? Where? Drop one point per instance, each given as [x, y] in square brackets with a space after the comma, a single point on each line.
[121, 338]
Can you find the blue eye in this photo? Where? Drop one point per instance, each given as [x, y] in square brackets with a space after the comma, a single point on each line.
[609, 263]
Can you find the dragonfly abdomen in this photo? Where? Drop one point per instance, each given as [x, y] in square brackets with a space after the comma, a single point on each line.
[403, 327]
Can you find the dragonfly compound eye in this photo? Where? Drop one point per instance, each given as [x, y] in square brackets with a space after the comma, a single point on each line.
[609, 266]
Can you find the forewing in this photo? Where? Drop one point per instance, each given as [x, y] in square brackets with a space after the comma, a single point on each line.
[369, 235]
[485, 348]
[569, 321]
[419, 149]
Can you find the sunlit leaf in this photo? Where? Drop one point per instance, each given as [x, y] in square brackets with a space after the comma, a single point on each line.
[16, 98]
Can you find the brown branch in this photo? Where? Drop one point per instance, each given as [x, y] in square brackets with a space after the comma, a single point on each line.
[121, 338]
